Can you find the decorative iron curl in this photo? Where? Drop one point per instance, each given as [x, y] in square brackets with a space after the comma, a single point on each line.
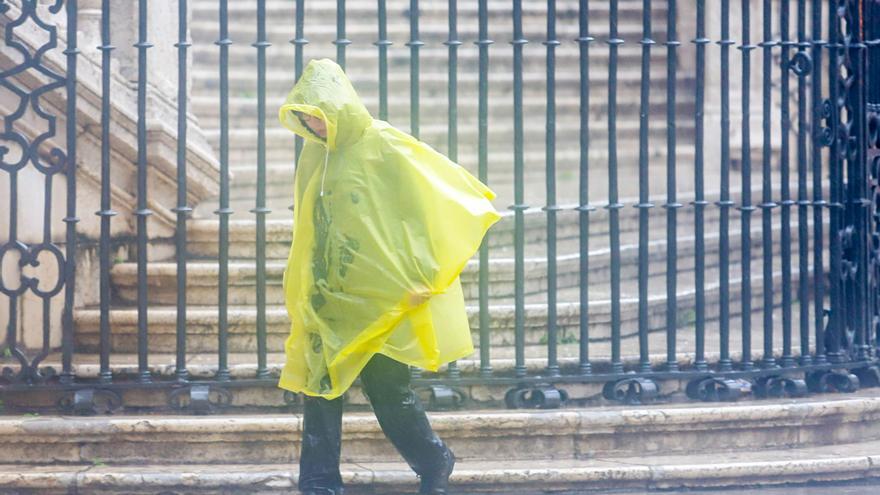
[801, 64]
[28, 372]
[868, 376]
[57, 159]
[442, 397]
[34, 261]
[25, 282]
[838, 380]
[779, 386]
[535, 397]
[717, 389]
[825, 133]
[631, 391]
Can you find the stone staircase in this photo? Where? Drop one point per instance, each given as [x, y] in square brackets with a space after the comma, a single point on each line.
[583, 448]
[361, 67]
[609, 450]
[203, 314]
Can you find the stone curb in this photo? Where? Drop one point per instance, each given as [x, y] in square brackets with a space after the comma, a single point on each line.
[564, 435]
[361, 479]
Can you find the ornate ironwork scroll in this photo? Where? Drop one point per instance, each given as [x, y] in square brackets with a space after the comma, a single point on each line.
[872, 77]
[849, 335]
[21, 147]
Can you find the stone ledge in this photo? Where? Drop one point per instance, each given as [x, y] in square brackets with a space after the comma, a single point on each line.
[569, 436]
[627, 475]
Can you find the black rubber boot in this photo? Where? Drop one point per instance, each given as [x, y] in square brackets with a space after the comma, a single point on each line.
[404, 422]
[321, 443]
[438, 483]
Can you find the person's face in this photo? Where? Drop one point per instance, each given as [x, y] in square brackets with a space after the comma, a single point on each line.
[315, 124]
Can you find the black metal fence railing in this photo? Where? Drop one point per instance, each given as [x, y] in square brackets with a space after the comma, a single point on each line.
[599, 318]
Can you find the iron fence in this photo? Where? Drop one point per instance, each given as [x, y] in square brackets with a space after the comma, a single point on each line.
[825, 78]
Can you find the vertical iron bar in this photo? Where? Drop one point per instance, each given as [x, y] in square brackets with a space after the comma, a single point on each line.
[106, 212]
[700, 202]
[672, 205]
[414, 44]
[551, 208]
[786, 203]
[835, 205]
[644, 205]
[299, 42]
[224, 210]
[613, 205]
[452, 118]
[261, 210]
[12, 325]
[746, 208]
[483, 128]
[724, 203]
[767, 204]
[519, 205]
[182, 209]
[382, 44]
[818, 203]
[858, 174]
[803, 200]
[584, 208]
[341, 41]
[142, 211]
[70, 220]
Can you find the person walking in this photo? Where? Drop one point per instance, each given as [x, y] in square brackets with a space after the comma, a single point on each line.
[383, 225]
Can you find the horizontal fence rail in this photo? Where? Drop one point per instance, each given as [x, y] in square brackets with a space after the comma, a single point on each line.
[719, 113]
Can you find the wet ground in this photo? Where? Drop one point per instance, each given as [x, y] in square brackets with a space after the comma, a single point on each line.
[867, 487]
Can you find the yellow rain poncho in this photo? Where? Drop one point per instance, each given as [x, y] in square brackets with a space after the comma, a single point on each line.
[383, 226]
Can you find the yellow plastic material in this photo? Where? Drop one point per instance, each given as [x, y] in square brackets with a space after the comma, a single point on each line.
[383, 226]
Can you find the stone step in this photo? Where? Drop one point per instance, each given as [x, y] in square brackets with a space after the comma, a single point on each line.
[243, 109]
[242, 81]
[203, 321]
[203, 233]
[280, 141]
[499, 12]
[637, 476]
[279, 183]
[358, 9]
[789, 468]
[500, 172]
[433, 58]
[431, 30]
[500, 177]
[481, 435]
[770, 442]
[263, 395]
[202, 276]
[500, 165]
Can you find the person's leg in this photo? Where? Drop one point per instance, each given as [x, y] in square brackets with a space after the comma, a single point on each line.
[403, 419]
[321, 443]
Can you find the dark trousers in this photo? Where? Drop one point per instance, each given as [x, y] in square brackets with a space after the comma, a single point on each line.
[400, 414]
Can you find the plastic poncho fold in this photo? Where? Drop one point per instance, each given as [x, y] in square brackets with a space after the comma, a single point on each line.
[383, 225]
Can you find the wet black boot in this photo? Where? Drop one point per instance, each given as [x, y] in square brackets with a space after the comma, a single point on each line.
[437, 484]
[321, 443]
[404, 422]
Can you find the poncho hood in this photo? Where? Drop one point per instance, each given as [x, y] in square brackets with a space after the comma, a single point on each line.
[324, 91]
[378, 249]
